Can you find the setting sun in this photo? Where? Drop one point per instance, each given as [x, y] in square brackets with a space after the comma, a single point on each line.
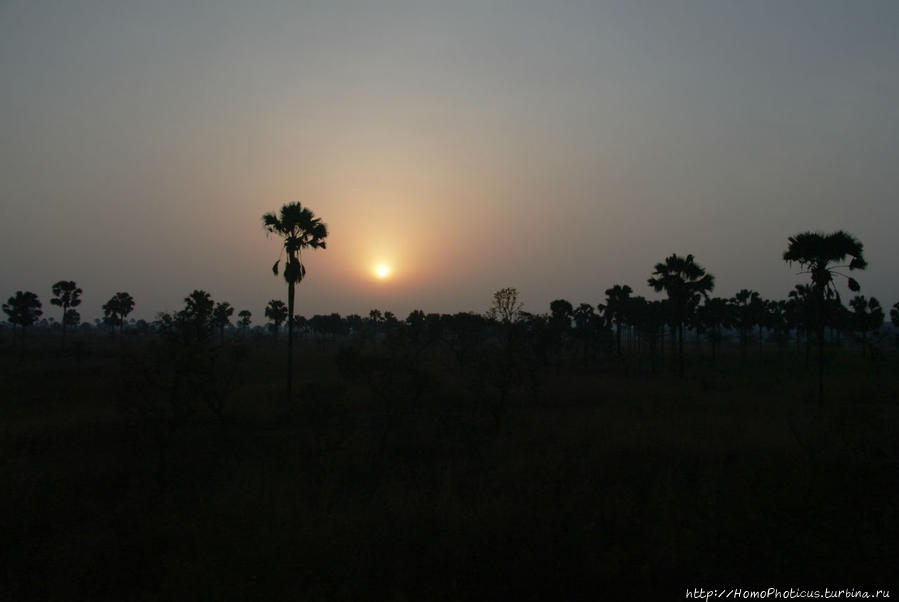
[382, 271]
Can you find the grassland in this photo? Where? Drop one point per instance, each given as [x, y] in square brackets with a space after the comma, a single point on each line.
[596, 478]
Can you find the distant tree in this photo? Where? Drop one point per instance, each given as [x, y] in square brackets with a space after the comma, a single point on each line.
[776, 319]
[198, 314]
[71, 318]
[276, 312]
[506, 307]
[244, 318]
[684, 281]
[66, 295]
[817, 253]
[375, 317]
[561, 313]
[355, 323]
[746, 304]
[300, 229]
[585, 327]
[713, 317]
[221, 316]
[799, 308]
[116, 309]
[867, 317]
[615, 309]
[23, 309]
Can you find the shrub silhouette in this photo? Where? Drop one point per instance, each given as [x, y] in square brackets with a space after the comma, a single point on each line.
[23, 310]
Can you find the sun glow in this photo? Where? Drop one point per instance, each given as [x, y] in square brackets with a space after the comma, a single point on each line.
[382, 271]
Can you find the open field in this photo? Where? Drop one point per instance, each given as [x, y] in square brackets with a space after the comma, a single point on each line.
[591, 476]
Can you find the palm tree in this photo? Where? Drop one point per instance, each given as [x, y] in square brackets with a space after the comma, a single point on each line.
[66, 295]
[221, 316]
[617, 300]
[300, 229]
[713, 316]
[244, 317]
[746, 305]
[116, 309]
[276, 311]
[867, 316]
[817, 253]
[684, 281]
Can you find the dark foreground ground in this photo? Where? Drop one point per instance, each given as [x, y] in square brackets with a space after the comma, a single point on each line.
[591, 478]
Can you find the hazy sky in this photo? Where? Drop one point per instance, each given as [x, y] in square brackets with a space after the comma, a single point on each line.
[557, 147]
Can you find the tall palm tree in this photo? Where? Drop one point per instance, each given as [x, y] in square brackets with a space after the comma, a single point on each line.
[817, 253]
[300, 229]
[684, 281]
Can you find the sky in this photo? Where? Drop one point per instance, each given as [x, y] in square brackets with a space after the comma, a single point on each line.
[555, 147]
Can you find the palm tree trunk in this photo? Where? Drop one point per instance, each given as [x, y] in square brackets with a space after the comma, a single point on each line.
[680, 345]
[290, 297]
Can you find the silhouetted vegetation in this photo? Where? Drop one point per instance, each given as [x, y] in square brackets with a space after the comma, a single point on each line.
[300, 229]
[117, 309]
[503, 454]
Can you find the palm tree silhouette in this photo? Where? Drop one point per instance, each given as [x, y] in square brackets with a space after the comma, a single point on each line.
[244, 317]
[66, 295]
[276, 311]
[617, 300]
[300, 229]
[817, 253]
[684, 281]
[221, 316]
[117, 308]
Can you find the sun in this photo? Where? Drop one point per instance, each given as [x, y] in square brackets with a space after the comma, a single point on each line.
[382, 271]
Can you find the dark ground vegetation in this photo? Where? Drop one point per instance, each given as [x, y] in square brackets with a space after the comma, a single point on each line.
[142, 467]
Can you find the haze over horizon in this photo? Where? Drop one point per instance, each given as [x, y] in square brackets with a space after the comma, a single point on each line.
[558, 148]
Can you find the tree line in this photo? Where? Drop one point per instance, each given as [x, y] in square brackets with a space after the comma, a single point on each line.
[621, 324]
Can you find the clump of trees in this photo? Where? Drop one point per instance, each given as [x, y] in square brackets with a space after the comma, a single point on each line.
[117, 309]
[67, 295]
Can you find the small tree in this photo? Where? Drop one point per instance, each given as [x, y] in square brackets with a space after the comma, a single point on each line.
[867, 317]
[615, 308]
[23, 310]
[244, 318]
[116, 309]
[221, 316]
[67, 295]
[276, 312]
[506, 307]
